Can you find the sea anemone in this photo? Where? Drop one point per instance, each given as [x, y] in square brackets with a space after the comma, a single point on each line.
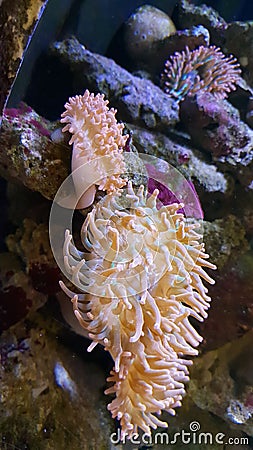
[140, 282]
[203, 69]
[98, 140]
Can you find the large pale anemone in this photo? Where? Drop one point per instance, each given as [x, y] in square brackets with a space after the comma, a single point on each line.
[98, 143]
[140, 283]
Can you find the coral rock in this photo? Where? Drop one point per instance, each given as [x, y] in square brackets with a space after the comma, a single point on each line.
[216, 127]
[147, 26]
[28, 154]
[137, 100]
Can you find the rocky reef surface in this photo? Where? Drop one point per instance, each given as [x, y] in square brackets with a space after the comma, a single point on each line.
[51, 389]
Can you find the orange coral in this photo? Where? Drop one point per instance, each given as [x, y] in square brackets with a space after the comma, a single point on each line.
[140, 284]
[98, 140]
[205, 69]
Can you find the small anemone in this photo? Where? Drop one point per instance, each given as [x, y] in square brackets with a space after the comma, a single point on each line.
[98, 143]
[204, 69]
